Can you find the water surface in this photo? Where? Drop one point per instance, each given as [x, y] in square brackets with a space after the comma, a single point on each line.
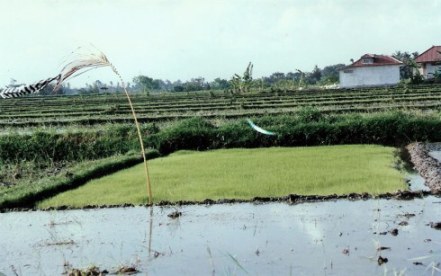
[328, 238]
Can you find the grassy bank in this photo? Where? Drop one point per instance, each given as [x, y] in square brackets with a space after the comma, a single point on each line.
[47, 183]
[246, 173]
[307, 128]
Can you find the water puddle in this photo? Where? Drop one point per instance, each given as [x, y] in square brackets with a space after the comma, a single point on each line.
[416, 182]
[436, 154]
[328, 238]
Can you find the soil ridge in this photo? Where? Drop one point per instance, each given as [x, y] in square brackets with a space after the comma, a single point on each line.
[426, 165]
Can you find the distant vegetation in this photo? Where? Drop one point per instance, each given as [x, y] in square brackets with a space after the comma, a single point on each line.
[327, 76]
[238, 83]
[242, 83]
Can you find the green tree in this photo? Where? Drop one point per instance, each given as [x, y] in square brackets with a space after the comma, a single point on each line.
[274, 78]
[146, 83]
[410, 69]
[219, 83]
[314, 76]
[248, 77]
[195, 84]
[302, 79]
[49, 90]
[330, 74]
[241, 84]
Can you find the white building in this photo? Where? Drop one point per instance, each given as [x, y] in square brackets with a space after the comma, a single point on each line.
[429, 62]
[371, 70]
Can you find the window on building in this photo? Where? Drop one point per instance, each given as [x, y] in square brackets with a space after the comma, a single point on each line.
[367, 61]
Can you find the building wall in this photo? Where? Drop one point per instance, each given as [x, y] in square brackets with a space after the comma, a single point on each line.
[370, 76]
[422, 70]
[430, 69]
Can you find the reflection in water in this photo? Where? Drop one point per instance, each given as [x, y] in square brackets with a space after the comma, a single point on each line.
[333, 238]
[416, 182]
[150, 230]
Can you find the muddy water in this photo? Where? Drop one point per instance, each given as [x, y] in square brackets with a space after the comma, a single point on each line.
[416, 182]
[329, 238]
[436, 154]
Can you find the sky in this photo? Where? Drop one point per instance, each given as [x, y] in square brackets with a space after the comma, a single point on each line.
[184, 39]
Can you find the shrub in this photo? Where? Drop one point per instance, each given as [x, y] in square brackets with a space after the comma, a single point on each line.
[393, 129]
[309, 114]
[192, 134]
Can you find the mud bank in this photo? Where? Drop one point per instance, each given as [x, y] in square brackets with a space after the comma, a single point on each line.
[428, 166]
[289, 199]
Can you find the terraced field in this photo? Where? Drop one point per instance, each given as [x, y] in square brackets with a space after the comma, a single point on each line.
[106, 108]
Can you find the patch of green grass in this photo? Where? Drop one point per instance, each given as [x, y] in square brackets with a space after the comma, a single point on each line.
[246, 173]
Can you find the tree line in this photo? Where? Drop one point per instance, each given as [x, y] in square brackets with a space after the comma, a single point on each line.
[241, 83]
[297, 79]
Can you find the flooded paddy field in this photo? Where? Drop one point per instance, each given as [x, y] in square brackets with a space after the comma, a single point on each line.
[339, 237]
[396, 234]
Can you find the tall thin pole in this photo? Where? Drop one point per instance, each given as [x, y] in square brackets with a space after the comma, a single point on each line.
[141, 143]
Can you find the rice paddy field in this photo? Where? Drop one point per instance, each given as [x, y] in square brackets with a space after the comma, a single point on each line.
[75, 151]
[44, 138]
[101, 109]
[245, 174]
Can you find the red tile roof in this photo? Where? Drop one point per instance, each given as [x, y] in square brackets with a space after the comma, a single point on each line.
[378, 60]
[430, 55]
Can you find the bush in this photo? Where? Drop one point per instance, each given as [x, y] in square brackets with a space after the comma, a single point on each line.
[393, 129]
[309, 114]
[190, 134]
[53, 147]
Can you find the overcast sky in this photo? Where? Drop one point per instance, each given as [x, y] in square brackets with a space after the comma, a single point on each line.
[182, 39]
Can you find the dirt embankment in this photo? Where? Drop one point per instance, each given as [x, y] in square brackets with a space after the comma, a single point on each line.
[289, 199]
[428, 167]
